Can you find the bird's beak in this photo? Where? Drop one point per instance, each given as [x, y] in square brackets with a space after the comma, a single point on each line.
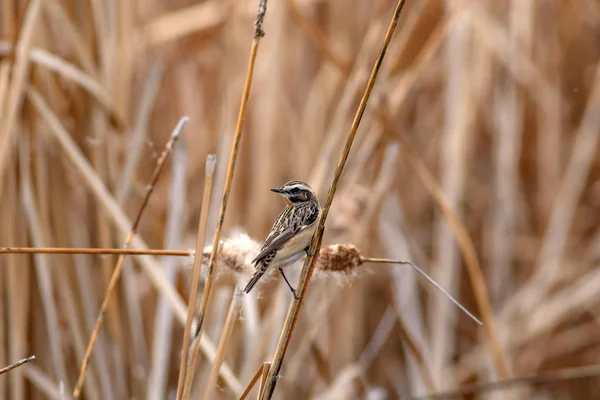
[277, 190]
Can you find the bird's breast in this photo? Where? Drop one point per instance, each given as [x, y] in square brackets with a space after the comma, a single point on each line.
[296, 244]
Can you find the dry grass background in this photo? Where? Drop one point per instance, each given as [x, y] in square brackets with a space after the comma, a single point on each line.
[478, 147]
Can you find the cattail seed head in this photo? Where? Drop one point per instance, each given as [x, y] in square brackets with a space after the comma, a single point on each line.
[339, 258]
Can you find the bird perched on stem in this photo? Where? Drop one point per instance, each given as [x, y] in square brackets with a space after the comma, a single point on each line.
[291, 234]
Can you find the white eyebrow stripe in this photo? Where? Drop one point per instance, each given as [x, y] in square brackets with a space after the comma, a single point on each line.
[297, 186]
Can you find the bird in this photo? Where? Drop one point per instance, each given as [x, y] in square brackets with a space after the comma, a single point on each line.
[291, 234]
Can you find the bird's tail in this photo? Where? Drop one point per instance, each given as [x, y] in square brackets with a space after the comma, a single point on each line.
[257, 275]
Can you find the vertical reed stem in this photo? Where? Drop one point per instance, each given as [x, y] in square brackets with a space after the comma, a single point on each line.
[309, 263]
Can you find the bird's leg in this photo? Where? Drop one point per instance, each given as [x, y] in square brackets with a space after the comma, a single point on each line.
[288, 283]
[307, 251]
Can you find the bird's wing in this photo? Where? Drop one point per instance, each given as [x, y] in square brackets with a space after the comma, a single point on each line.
[275, 241]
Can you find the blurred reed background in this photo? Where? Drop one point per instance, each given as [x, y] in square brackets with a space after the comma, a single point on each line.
[484, 109]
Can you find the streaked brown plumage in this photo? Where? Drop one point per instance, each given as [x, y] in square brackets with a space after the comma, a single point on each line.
[291, 233]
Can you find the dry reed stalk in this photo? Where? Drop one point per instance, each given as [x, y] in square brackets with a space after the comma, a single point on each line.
[105, 45]
[455, 142]
[139, 133]
[89, 303]
[318, 38]
[150, 266]
[251, 329]
[509, 111]
[19, 75]
[416, 350]
[309, 263]
[4, 83]
[88, 250]
[545, 378]
[42, 382]
[211, 161]
[320, 316]
[561, 306]
[17, 282]
[163, 321]
[70, 72]
[493, 36]
[258, 34]
[118, 267]
[69, 288]
[196, 18]
[224, 340]
[98, 157]
[60, 16]
[337, 127]
[16, 364]
[469, 253]
[42, 267]
[562, 216]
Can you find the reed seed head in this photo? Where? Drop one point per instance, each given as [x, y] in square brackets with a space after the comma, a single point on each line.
[339, 258]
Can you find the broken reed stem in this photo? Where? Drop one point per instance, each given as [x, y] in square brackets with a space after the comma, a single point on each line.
[86, 250]
[263, 379]
[119, 265]
[309, 263]
[424, 275]
[259, 373]
[258, 34]
[209, 175]
[232, 315]
[16, 364]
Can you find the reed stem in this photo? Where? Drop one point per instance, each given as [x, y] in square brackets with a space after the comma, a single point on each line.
[309, 263]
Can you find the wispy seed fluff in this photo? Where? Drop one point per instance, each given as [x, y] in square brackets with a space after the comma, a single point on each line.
[235, 254]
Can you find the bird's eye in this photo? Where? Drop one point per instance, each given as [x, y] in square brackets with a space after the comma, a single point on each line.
[295, 190]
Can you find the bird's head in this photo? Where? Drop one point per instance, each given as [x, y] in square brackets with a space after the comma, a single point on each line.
[295, 192]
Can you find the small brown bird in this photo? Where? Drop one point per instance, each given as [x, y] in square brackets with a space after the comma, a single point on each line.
[291, 235]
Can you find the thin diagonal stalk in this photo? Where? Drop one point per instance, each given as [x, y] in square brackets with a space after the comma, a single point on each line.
[200, 239]
[119, 265]
[149, 265]
[424, 275]
[258, 34]
[309, 263]
[100, 251]
[16, 364]
[469, 253]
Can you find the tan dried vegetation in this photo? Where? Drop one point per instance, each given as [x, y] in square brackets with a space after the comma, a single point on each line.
[476, 158]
